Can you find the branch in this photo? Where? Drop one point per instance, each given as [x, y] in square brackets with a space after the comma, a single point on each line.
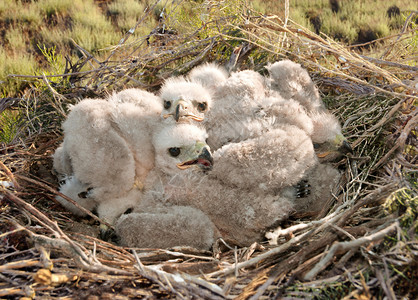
[10, 175]
[200, 287]
[400, 142]
[347, 246]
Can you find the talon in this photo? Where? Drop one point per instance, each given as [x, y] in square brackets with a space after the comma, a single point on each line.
[106, 233]
[302, 189]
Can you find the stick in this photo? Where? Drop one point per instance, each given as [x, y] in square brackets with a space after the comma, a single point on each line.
[400, 142]
[181, 282]
[255, 260]
[55, 75]
[10, 175]
[346, 246]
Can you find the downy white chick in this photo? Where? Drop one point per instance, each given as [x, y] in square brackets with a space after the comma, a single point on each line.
[292, 81]
[210, 75]
[276, 159]
[156, 223]
[240, 215]
[252, 135]
[266, 142]
[109, 149]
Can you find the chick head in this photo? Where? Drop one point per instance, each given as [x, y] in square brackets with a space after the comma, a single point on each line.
[181, 146]
[184, 100]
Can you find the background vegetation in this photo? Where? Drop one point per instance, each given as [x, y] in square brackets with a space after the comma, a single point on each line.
[97, 47]
[29, 28]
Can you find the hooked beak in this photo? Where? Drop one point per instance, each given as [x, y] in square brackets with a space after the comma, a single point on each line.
[179, 108]
[205, 160]
[331, 151]
[201, 158]
[183, 109]
[345, 148]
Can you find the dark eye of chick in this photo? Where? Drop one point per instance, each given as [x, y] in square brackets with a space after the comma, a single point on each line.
[316, 146]
[202, 106]
[167, 104]
[174, 151]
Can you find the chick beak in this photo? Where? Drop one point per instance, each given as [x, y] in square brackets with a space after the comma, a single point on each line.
[205, 160]
[345, 148]
[323, 154]
[177, 113]
[181, 110]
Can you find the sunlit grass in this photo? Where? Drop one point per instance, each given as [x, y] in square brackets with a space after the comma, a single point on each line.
[10, 124]
[56, 23]
[15, 39]
[126, 14]
[22, 63]
[352, 16]
[57, 7]
[92, 40]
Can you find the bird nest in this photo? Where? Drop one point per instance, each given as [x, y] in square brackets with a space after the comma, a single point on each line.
[361, 245]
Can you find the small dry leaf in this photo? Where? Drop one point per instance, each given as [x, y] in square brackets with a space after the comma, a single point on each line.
[45, 277]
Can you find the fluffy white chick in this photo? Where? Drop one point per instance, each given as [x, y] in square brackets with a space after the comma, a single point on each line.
[154, 223]
[278, 156]
[210, 75]
[291, 81]
[108, 146]
[271, 161]
[239, 215]
[266, 142]
[259, 142]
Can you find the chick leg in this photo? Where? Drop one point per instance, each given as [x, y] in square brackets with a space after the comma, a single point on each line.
[166, 227]
[322, 180]
[73, 188]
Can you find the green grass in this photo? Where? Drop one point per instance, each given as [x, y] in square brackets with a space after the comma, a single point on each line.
[15, 64]
[97, 26]
[352, 16]
[49, 8]
[10, 126]
[126, 13]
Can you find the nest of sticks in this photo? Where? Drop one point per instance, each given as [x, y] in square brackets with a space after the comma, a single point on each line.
[361, 245]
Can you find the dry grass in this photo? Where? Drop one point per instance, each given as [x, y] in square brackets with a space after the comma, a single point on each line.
[363, 245]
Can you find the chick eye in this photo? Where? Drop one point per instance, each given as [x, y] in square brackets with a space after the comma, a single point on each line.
[174, 151]
[167, 104]
[316, 146]
[202, 106]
